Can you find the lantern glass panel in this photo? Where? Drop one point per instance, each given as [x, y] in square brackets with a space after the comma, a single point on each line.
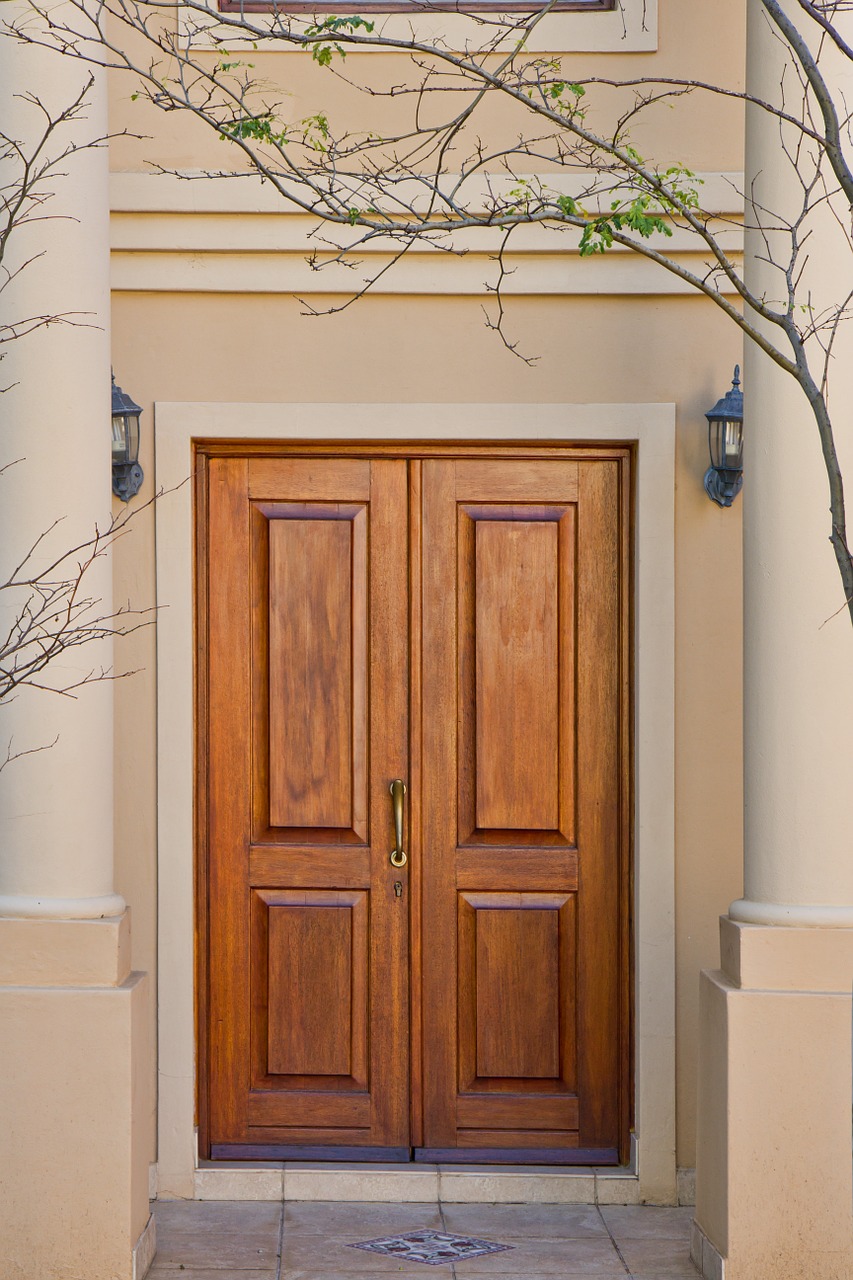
[132, 437]
[726, 441]
[119, 438]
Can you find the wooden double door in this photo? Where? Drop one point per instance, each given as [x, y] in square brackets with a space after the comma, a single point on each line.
[456, 619]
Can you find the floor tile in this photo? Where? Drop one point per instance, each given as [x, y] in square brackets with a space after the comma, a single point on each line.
[541, 1221]
[350, 1219]
[690, 1273]
[189, 1272]
[317, 1253]
[217, 1235]
[663, 1259]
[531, 1258]
[646, 1222]
[431, 1273]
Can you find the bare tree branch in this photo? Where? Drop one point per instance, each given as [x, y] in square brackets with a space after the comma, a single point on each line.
[565, 160]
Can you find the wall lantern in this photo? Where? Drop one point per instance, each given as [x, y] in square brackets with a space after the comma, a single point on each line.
[127, 473]
[724, 477]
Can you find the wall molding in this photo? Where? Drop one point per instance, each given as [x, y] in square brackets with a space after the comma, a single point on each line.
[171, 233]
[632, 27]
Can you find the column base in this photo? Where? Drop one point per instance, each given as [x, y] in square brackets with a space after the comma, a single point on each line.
[18, 906]
[704, 1256]
[74, 1173]
[774, 1184]
[144, 1250]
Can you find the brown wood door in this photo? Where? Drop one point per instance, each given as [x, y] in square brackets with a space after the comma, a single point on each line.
[460, 623]
[307, 709]
[523, 873]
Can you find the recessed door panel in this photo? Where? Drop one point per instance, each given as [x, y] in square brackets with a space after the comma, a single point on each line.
[516, 644]
[316, 700]
[516, 653]
[313, 946]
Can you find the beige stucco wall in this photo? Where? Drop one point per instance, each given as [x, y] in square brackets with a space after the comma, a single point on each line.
[182, 342]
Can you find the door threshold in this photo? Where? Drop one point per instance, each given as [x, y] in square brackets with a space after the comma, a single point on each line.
[344, 1181]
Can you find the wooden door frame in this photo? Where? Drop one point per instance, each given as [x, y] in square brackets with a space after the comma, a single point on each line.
[415, 452]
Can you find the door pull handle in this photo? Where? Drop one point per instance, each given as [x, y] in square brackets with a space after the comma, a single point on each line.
[398, 853]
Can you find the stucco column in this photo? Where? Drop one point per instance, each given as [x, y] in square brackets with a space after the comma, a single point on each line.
[773, 1166]
[798, 643]
[56, 818]
[74, 1168]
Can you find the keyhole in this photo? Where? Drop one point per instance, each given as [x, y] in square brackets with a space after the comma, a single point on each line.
[398, 888]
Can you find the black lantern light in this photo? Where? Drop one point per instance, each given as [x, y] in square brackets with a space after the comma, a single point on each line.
[127, 473]
[724, 477]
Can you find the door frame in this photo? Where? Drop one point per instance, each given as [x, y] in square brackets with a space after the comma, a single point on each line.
[403, 428]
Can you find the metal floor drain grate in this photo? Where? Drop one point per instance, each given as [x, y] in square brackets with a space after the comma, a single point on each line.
[431, 1247]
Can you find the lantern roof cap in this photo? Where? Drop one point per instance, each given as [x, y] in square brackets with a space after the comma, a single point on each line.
[731, 404]
[122, 402]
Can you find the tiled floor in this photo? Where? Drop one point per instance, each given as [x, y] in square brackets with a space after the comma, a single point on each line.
[228, 1240]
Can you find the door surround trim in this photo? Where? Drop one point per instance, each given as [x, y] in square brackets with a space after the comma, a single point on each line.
[652, 428]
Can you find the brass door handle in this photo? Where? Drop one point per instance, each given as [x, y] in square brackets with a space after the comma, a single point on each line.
[398, 853]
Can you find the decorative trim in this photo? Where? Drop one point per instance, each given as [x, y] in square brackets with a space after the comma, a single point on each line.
[793, 914]
[652, 428]
[631, 27]
[28, 908]
[192, 233]
[192, 191]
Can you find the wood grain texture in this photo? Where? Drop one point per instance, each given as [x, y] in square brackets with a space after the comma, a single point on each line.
[310, 991]
[265, 517]
[229, 755]
[521, 982]
[308, 479]
[440, 763]
[518, 978]
[311, 984]
[517, 869]
[309, 1110]
[199, 471]
[599, 836]
[416, 784]
[532, 481]
[309, 866]
[516, 673]
[531, 977]
[558, 1139]
[311, 666]
[517, 682]
[389, 749]
[516, 1111]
